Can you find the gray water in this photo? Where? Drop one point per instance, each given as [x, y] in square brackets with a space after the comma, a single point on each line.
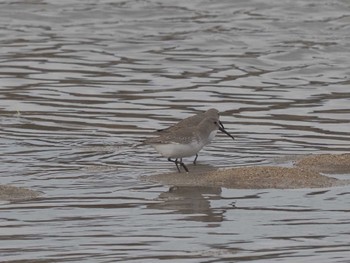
[83, 82]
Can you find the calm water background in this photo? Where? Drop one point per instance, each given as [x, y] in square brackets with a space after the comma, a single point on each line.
[82, 82]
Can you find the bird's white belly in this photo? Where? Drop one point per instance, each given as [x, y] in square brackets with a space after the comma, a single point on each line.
[177, 150]
[211, 136]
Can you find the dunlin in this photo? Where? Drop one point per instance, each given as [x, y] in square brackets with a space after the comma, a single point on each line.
[186, 141]
[194, 121]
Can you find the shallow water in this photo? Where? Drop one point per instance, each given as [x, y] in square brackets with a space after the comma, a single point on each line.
[82, 82]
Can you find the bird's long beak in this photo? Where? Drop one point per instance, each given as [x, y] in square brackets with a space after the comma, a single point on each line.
[221, 128]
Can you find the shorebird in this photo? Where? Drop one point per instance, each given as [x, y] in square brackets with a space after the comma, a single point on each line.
[186, 141]
[194, 121]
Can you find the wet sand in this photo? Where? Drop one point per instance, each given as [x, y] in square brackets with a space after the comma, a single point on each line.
[253, 177]
[326, 163]
[13, 193]
[306, 174]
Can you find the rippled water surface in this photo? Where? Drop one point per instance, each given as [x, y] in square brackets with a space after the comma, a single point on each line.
[82, 82]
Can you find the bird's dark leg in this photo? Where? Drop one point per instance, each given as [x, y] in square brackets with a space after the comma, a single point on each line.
[183, 165]
[176, 163]
[195, 159]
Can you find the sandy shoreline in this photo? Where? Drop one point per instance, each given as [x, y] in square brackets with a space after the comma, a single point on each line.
[306, 173]
[252, 177]
[326, 163]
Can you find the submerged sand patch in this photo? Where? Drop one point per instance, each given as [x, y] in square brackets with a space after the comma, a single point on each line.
[305, 174]
[13, 193]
